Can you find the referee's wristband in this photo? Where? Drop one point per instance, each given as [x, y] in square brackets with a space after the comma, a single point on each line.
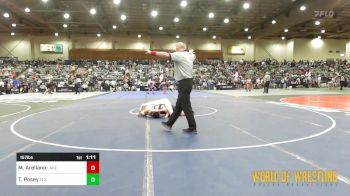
[153, 53]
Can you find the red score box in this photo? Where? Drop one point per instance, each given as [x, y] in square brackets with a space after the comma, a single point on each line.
[93, 167]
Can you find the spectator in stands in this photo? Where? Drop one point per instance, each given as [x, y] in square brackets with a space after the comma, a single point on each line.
[84, 87]
[77, 85]
[319, 81]
[7, 86]
[103, 85]
[342, 81]
[91, 85]
[43, 88]
[2, 88]
[114, 85]
[210, 73]
[266, 80]
[151, 86]
[130, 84]
[249, 85]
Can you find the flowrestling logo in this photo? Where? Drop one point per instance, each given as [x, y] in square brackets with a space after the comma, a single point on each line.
[324, 14]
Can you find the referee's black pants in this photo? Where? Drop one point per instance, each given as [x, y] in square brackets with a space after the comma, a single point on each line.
[183, 103]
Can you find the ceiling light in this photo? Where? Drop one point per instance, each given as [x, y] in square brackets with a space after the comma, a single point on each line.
[176, 19]
[6, 15]
[98, 35]
[286, 30]
[92, 11]
[302, 8]
[14, 25]
[66, 15]
[183, 3]
[56, 34]
[117, 2]
[249, 37]
[154, 13]
[123, 17]
[205, 28]
[323, 31]
[65, 25]
[27, 10]
[139, 36]
[114, 26]
[13, 33]
[246, 5]
[317, 22]
[226, 20]
[273, 21]
[211, 15]
[177, 36]
[44, 1]
[161, 28]
[283, 38]
[214, 36]
[317, 43]
[246, 29]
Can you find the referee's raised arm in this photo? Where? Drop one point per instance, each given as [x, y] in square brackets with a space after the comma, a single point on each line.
[158, 53]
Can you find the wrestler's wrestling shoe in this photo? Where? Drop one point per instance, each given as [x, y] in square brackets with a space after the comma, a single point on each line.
[166, 125]
[190, 130]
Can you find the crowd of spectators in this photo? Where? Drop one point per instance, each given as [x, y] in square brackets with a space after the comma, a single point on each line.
[127, 75]
[283, 74]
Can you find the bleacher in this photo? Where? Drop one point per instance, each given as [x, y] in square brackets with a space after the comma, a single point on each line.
[207, 73]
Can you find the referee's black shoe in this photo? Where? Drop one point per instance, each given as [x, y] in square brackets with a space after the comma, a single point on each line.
[166, 125]
[190, 130]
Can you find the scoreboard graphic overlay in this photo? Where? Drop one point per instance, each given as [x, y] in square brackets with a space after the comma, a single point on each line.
[58, 169]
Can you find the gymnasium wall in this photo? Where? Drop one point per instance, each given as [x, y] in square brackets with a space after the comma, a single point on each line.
[318, 49]
[248, 45]
[131, 43]
[28, 47]
[289, 50]
[273, 49]
[347, 50]
[164, 43]
[91, 42]
[15, 46]
[203, 43]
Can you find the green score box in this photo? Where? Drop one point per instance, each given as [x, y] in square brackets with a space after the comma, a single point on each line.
[93, 179]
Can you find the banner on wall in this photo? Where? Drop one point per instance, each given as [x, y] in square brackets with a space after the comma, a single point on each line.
[238, 50]
[56, 48]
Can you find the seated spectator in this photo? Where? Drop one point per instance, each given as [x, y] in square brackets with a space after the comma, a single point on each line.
[43, 88]
[2, 89]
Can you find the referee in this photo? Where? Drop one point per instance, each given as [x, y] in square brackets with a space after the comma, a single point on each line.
[183, 68]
